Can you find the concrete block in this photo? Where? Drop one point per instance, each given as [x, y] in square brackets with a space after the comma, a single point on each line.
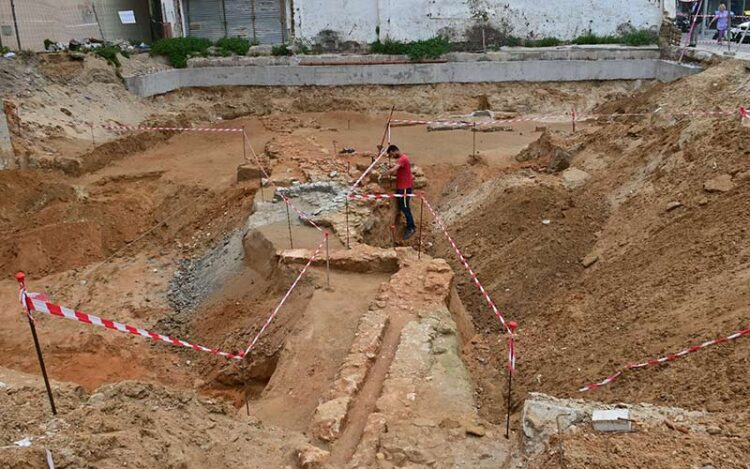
[613, 420]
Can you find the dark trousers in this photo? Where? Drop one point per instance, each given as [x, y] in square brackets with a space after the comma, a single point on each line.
[404, 204]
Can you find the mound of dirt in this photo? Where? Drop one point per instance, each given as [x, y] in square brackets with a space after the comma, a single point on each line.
[625, 266]
[143, 424]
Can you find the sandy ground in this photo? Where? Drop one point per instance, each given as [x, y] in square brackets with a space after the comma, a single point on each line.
[104, 230]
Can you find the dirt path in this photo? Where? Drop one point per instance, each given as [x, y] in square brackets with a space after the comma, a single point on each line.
[315, 349]
[364, 403]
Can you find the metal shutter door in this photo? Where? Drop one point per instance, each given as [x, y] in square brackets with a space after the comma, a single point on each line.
[269, 27]
[206, 19]
[239, 18]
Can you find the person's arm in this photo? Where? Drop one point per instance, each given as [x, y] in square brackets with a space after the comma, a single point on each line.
[393, 170]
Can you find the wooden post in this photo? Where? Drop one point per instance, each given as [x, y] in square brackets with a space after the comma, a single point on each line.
[21, 278]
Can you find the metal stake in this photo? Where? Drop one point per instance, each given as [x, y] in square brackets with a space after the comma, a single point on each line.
[507, 421]
[328, 263]
[289, 223]
[93, 142]
[511, 329]
[347, 223]
[244, 146]
[21, 278]
[421, 209]
[393, 235]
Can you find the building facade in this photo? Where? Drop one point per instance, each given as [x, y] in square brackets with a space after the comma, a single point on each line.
[25, 24]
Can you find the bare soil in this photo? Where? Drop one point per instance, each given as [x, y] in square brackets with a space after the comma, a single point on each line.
[104, 228]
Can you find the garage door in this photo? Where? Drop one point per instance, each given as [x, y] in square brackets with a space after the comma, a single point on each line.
[206, 19]
[269, 21]
[257, 20]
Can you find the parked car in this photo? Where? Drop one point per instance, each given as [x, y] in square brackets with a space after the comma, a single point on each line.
[736, 34]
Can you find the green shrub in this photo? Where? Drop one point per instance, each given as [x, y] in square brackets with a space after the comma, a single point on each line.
[236, 45]
[281, 50]
[388, 47]
[179, 49]
[4, 50]
[512, 41]
[109, 53]
[590, 38]
[642, 37]
[417, 50]
[544, 42]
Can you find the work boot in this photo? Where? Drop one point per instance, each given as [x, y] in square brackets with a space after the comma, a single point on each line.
[409, 233]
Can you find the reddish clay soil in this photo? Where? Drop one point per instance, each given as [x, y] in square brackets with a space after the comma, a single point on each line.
[664, 279]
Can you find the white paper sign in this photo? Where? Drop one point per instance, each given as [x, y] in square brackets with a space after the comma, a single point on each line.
[127, 16]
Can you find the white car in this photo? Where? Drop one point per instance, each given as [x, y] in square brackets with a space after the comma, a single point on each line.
[736, 34]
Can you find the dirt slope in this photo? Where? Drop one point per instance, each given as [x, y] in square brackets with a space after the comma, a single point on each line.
[664, 276]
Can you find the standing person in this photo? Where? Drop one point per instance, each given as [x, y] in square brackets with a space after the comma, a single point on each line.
[695, 10]
[404, 186]
[722, 22]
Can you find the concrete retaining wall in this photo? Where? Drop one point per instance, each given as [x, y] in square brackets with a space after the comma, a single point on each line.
[509, 54]
[407, 74]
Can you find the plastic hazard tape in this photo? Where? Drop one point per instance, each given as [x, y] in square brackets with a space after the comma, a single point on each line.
[366, 172]
[283, 300]
[665, 359]
[34, 303]
[506, 326]
[171, 129]
[380, 196]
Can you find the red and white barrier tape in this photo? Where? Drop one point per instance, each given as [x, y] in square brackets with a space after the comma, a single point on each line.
[380, 196]
[170, 129]
[283, 300]
[666, 359]
[366, 172]
[465, 263]
[473, 275]
[34, 303]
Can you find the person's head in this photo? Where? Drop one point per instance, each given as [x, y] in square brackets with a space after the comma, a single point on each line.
[393, 150]
[722, 7]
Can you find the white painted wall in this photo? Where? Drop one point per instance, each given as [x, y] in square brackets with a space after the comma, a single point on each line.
[357, 20]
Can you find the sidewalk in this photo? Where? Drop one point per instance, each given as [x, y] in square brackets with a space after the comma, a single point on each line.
[737, 51]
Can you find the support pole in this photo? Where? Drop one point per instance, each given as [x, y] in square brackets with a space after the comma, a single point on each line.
[15, 23]
[393, 235]
[21, 278]
[244, 146]
[347, 223]
[289, 223]
[511, 368]
[421, 210]
[93, 142]
[328, 262]
[474, 140]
